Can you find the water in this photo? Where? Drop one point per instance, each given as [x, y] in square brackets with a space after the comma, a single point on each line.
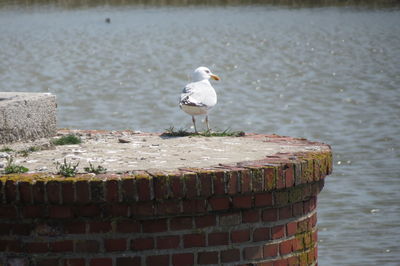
[330, 74]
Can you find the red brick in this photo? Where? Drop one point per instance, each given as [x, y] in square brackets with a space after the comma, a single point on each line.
[74, 262]
[281, 198]
[99, 227]
[82, 191]
[205, 221]
[229, 219]
[25, 192]
[155, 226]
[128, 261]
[169, 207]
[112, 191]
[128, 189]
[176, 186]
[298, 209]
[142, 244]
[157, 260]
[89, 246]
[297, 244]
[251, 216]
[38, 192]
[291, 228]
[207, 257]
[62, 246]
[10, 190]
[75, 227]
[60, 212]
[216, 239]
[270, 215]
[5, 228]
[53, 191]
[194, 206]
[280, 178]
[219, 183]
[8, 211]
[230, 255]
[270, 250]
[67, 192]
[161, 187]
[37, 247]
[294, 260]
[194, 240]
[184, 259]
[288, 173]
[278, 231]
[283, 262]
[233, 181]
[33, 211]
[101, 262]
[262, 200]
[128, 226]
[261, 234]
[168, 242]
[285, 212]
[92, 210]
[116, 210]
[22, 229]
[245, 181]
[96, 190]
[190, 180]
[143, 188]
[11, 245]
[181, 223]
[218, 204]
[240, 236]
[251, 253]
[115, 244]
[205, 184]
[285, 247]
[143, 209]
[47, 262]
[269, 178]
[242, 202]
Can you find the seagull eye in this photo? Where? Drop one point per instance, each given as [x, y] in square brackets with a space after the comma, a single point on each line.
[208, 71]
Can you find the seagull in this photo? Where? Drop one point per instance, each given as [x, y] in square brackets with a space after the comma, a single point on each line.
[199, 96]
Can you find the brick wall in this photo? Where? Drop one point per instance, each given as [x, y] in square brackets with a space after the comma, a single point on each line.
[261, 212]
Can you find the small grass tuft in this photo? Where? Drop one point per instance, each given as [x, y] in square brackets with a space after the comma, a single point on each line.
[96, 170]
[6, 149]
[26, 152]
[67, 140]
[67, 169]
[12, 168]
[171, 132]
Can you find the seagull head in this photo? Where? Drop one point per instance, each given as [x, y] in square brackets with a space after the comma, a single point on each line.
[202, 73]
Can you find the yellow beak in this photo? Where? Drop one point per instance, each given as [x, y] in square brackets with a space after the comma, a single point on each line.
[215, 77]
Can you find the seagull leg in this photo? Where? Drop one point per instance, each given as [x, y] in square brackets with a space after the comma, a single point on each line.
[208, 126]
[194, 123]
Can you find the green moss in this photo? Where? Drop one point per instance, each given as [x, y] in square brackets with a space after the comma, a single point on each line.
[171, 132]
[67, 140]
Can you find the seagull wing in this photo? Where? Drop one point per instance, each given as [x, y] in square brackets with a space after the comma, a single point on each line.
[198, 94]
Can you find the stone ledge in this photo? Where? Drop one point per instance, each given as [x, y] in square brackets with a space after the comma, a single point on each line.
[26, 116]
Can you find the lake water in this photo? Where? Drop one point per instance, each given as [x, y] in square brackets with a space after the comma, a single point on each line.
[330, 74]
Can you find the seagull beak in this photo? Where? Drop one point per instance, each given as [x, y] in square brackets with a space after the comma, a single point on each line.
[215, 77]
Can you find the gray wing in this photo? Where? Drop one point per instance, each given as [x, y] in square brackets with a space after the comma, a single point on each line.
[191, 96]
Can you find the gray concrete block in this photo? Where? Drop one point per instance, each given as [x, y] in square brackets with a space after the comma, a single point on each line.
[26, 116]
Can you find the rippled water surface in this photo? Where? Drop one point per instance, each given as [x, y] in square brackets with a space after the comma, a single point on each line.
[329, 74]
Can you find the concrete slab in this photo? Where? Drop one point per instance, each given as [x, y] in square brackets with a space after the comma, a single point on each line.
[26, 116]
[151, 151]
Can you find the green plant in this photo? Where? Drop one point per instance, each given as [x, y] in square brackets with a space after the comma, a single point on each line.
[67, 140]
[6, 149]
[12, 168]
[98, 170]
[171, 132]
[67, 169]
[26, 152]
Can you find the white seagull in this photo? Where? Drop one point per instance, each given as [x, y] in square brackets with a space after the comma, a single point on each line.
[199, 96]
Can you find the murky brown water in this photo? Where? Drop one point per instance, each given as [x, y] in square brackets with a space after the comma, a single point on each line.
[330, 74]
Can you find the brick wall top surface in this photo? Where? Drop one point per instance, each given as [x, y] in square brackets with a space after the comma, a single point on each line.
[301, 162]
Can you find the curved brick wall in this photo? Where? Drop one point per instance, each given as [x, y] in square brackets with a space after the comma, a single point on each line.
[261, 212]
